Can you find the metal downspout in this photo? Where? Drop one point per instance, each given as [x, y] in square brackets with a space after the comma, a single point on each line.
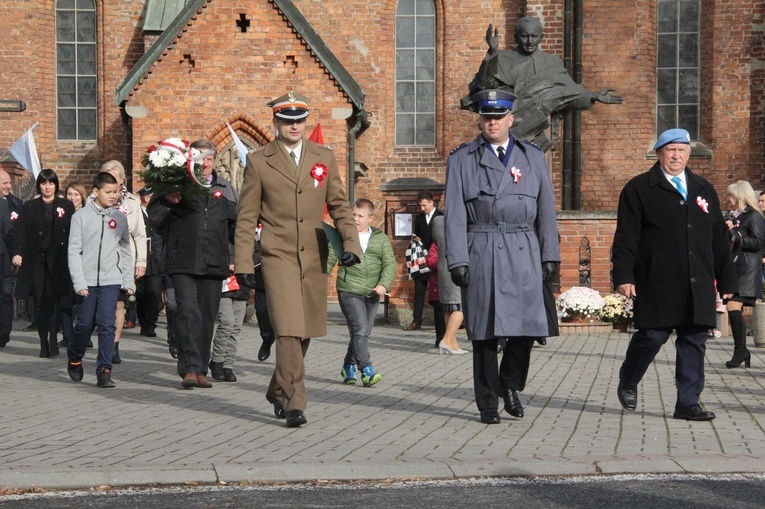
[360, 125]
[576, 127]
[566, 175]
[128, 163]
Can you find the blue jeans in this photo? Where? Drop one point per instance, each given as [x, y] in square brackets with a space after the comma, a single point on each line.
[98, 309]
[360, 315]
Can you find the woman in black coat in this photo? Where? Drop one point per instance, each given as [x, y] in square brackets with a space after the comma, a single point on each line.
[747, 233]
[41, 257]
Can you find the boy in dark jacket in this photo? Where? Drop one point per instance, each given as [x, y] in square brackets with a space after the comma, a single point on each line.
[100, 264]
[359, 289]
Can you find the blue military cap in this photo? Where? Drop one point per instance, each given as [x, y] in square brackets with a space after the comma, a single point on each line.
[672, 136]
[493, 103]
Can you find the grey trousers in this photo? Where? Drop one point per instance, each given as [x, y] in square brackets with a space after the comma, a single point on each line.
[230, 319]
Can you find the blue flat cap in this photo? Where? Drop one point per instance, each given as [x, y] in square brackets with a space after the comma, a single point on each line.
[672, 136]
[493, 103]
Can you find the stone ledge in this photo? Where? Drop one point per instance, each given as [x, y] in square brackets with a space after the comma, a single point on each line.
[586, 328]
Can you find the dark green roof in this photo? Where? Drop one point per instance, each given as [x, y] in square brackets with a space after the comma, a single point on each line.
[294, 17]
[160, 13]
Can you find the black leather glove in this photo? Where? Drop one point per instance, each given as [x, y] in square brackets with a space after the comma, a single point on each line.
[247, 280]
[548, 271]
[349, 259]
[460, 276]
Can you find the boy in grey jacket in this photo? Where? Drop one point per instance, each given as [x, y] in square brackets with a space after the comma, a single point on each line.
[100, 264]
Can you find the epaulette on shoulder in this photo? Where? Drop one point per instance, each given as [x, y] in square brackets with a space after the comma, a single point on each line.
[531, 143]
[257, 149]
[455, 149]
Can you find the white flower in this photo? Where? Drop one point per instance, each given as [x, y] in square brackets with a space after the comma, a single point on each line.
[580, 300]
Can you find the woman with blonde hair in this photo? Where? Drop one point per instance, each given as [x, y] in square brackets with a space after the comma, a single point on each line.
[129, 205]
[76, 193]
[747, 235]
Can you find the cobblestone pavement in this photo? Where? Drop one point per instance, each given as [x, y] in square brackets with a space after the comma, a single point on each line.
[419, 422]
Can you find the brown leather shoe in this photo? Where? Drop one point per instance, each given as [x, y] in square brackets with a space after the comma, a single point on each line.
[412, 326]
[129, 324]
[203, 382]
[189, 381]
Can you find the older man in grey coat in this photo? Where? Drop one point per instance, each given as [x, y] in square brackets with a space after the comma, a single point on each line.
[501, 241]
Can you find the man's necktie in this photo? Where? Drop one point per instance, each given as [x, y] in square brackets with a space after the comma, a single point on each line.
[293, 155]
[501, 154]
[679, 185]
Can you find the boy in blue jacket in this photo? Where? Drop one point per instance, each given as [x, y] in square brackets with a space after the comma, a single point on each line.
[100, 264]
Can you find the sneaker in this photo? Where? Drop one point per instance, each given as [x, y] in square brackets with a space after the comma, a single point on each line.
[369, 377]
[348, 373]
[74, 368]
[104, 376]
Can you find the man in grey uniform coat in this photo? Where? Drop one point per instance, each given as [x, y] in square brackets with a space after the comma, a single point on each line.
[501, 241]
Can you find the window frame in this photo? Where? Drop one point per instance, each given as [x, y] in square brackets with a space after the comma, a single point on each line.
[84, 129]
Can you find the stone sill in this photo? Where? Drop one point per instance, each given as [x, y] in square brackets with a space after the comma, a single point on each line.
[586, 328]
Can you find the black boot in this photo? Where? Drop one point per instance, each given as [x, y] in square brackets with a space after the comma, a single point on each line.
[53, 346]
[216, 370]
[116, 354]
[738, 329]
[44, 348]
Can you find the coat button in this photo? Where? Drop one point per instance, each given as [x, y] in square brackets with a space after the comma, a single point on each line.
[690, 226]
[300, 191]
[302, 249]
[500, 246]
[300, 220]
[693, 280]
[521, 248]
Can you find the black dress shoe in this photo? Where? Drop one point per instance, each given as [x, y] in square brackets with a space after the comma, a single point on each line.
[265, 351]
[295, 419]
[278, 407]
[627, 396]
[490, 417]
[542, 341]
[513, 405]
[693, 413]
[229, 375]
[149, 333]
[173, 350]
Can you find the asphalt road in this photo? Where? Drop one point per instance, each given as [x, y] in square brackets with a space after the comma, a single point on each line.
[624, 492]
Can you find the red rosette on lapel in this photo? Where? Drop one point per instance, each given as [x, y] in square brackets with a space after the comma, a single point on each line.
[319, 172]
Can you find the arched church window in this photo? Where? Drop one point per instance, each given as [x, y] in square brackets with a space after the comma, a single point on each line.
[415, 72]
[677, 66]
[76, 70]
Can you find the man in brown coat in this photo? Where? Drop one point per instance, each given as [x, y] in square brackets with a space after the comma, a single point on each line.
[286, 184]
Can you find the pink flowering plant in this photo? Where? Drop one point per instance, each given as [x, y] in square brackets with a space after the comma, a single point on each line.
[580, 300]
[617, 309]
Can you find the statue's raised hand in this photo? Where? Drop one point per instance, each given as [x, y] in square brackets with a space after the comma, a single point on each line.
[492, 38]
[606, 97]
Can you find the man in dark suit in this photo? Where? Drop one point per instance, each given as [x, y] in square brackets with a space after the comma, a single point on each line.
[669, 248]
[423, 231]
[12, 210]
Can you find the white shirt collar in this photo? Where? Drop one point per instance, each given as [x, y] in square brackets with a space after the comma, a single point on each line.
[670, 177]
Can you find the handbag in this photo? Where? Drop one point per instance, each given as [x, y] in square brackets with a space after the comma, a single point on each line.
[415, 259]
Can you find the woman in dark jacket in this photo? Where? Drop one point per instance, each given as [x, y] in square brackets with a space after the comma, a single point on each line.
[747, 233]
[41, 256]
